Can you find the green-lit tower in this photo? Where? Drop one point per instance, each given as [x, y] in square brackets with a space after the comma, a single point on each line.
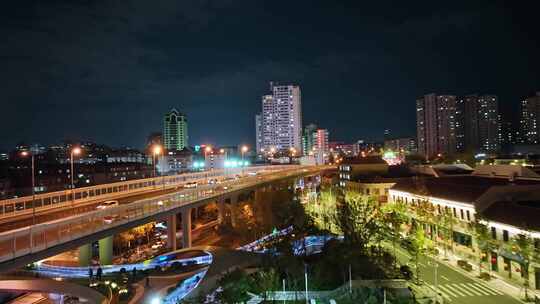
[175, 130]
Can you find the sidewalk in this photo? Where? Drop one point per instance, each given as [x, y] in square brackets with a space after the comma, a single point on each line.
[497, 282]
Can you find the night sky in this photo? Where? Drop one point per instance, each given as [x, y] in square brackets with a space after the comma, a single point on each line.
[107, 71]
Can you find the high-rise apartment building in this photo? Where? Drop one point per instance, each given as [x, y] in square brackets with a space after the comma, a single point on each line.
[435, 124]
[477, 124]
[467, 123]
[175, 136]
[320, 145]
[281, 118]
[488, 123]
[308, 139]
[530, 119]
[258, 133]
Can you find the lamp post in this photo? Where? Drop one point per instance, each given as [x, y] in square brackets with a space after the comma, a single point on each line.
[74, 151]
[25, 154]
[272, 151]
[293, 153]
[207, 150]
[244, 149]
[155, 152]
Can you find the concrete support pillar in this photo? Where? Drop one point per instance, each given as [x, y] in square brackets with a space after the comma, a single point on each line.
[221, 211]
[171, 232]
[234, 210]
[186, 228]
[106, 250]
[85, 255]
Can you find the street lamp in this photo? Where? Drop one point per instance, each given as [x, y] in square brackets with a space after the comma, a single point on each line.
[74, 151]
[25, 154]
[244, 149]
[272, 151]
[155, 152]
[293, 151]
[207, 150]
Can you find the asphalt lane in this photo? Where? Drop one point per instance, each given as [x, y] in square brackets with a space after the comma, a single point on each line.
[51, 215]
[452, 285]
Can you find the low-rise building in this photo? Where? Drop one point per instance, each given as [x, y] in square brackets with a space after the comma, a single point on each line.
[370, 175]
[505, 198]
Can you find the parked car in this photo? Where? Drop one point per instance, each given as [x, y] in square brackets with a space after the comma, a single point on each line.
[406, 244]
[107, 204]
[406, 271]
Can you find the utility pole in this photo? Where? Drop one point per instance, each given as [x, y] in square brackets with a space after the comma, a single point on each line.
[305, 277]
[284, 291]
[350, 279]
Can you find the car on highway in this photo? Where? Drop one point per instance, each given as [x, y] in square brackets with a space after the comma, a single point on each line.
[107, 204]
[191, 185]
[213, 181]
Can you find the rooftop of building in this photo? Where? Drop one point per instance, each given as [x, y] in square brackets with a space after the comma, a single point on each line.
[523, 214]
[461, 188]
[367, 160]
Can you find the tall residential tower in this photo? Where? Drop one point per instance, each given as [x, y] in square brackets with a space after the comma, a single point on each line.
[530, 119]
[281, 118]
[435, 124]
[175, 136]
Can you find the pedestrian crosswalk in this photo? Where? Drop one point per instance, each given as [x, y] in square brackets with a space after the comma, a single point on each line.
[456, 290]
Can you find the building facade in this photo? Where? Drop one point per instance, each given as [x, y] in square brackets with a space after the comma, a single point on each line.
[320, 146]
[175, 131]
[477, 124]
[308, 139]
[404, 144]
[281, 118]
[504, 198]
[530, 119]
[258, 134]
[435, 124]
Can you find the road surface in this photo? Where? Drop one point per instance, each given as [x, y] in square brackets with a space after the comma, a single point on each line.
[452, 285]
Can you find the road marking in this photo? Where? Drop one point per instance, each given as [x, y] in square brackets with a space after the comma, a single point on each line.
[448, 291]
[442, 293]
[480, 290]
[445, 278]
[459, 286]
[467, 287]
[489, 289]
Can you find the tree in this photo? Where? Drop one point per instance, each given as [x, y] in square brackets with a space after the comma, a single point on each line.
[236, 285]
[395, 215]
[323, 211]
[266, 281]
[425, 213]
[447, 221]
[523, 246]
[418, 246]
[359, 219]
[484, 241]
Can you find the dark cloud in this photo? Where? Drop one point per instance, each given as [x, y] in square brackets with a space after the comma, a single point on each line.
[108, 70]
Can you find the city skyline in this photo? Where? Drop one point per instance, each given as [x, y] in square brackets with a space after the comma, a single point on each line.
[362, 73]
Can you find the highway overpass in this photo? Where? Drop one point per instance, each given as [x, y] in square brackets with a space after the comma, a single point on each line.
[34, 242]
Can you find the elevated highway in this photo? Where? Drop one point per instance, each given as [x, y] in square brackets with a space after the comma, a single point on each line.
[34, 242]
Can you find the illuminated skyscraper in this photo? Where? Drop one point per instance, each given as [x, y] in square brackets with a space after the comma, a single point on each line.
[435, 124]
[175, 131]
[281, 121]
[530, 119]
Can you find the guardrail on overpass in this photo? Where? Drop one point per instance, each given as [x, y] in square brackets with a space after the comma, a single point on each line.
[72, 197]
[37, 238]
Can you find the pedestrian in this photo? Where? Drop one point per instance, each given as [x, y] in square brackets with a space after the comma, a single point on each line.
[90, 273]
[134, 272]
[99, 273]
